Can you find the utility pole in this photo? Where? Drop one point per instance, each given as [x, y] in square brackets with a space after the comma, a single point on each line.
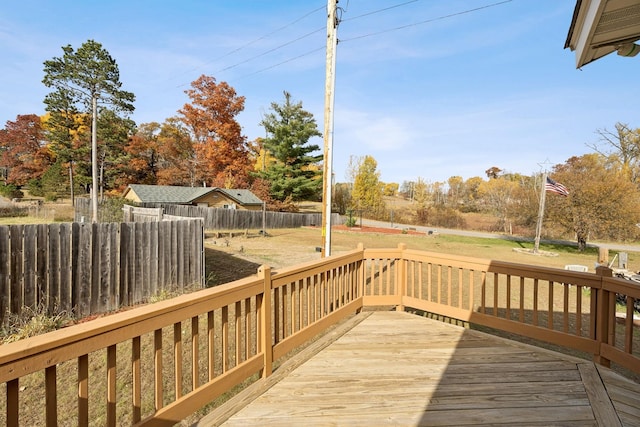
[332, 42]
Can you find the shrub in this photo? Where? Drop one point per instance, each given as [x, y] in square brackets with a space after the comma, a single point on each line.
[13, 211]
[31, 322]
[10, 191]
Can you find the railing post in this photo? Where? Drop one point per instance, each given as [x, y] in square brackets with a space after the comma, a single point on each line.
[401, 289]
[264, 305]
[601, 305]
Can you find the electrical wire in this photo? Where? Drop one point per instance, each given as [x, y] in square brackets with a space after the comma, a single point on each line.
[231, 52]
[270, 50]
[440, 18]
[380, 10]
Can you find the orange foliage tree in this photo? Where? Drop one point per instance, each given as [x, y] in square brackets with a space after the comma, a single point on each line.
[23, 151]
[221, 153]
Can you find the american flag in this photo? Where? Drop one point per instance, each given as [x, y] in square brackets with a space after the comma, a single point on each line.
[556, 187]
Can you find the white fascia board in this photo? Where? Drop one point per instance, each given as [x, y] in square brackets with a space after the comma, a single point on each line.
[593, 11]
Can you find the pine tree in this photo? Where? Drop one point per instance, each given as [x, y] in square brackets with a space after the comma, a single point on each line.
[295, 173]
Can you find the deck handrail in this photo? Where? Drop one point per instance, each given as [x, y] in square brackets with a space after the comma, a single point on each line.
[201, 345]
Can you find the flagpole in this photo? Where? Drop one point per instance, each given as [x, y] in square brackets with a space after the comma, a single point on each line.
[543, 192]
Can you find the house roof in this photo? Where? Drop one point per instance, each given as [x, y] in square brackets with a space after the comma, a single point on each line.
[600, 27]
[244, 197]
[176, 194]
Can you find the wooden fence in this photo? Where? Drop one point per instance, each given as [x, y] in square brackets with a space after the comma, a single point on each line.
[216, 218]
[236, 219]
[95, 268]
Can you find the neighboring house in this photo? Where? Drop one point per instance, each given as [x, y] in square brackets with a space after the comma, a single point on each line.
[212, 197]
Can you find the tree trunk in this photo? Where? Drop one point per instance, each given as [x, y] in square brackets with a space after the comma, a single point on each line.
[71, 189]
[582, 242]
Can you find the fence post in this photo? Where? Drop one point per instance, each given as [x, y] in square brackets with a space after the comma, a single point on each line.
[264, 305]
[401, 289]
[602, 314]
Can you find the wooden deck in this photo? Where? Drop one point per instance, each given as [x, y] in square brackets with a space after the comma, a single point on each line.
[400, 369]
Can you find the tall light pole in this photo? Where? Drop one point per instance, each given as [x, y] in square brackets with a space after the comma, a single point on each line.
[332, 42]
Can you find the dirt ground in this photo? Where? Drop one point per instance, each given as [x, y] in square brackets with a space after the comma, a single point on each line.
[232, 256]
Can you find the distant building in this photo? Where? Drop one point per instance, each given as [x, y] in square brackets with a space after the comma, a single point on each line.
[212, 197]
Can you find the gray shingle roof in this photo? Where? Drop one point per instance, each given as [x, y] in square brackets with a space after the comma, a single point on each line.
[168, 193]
[244, 197]
[176, 194]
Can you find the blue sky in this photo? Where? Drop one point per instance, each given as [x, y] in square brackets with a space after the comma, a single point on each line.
[453, 92]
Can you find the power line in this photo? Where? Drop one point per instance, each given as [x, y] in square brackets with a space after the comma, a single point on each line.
[271, 50]
[380, 10]
[440, 18]
[284, 62]
[295, 21]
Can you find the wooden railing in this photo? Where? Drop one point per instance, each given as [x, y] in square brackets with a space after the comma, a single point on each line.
[157, 364]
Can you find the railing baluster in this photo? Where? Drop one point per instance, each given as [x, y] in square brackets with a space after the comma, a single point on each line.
[83, 390]
[51, 396]
[460, 286]
[276, 314]
[177, 359]
[136, 378]
[439, 284]
[211, 344]
[579, 310]
[157, 363]
[225, 339]
[551, 311]
[13, 407]
[496, 286]
[521, 314]
[535, 302]
[449, 284]
[238, 332]
[247, 329]
[195, 352]
[508, 297]
[472, 286]
[565, 309]
[111, 385]
[429, 281]
[628, 326]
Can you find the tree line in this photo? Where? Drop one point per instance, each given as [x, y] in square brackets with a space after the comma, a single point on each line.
[87, 141]
[603, 201]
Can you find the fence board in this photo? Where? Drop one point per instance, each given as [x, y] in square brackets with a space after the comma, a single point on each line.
[42, 284]
[15, 274]
[64, 266]
[5, 289]
[93, 268]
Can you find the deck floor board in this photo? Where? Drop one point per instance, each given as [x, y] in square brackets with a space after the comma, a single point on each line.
[401, 369]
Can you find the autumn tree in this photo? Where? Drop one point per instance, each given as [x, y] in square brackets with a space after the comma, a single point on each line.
[220, 149]
[178, 163]
[623, 146]
[67, 132]
[498, 196]
[470, 197]
[294, 172]
[602, 201]
[22, 148]
[143, 158]
[86, 78]
[455, 193]
[366, 194]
